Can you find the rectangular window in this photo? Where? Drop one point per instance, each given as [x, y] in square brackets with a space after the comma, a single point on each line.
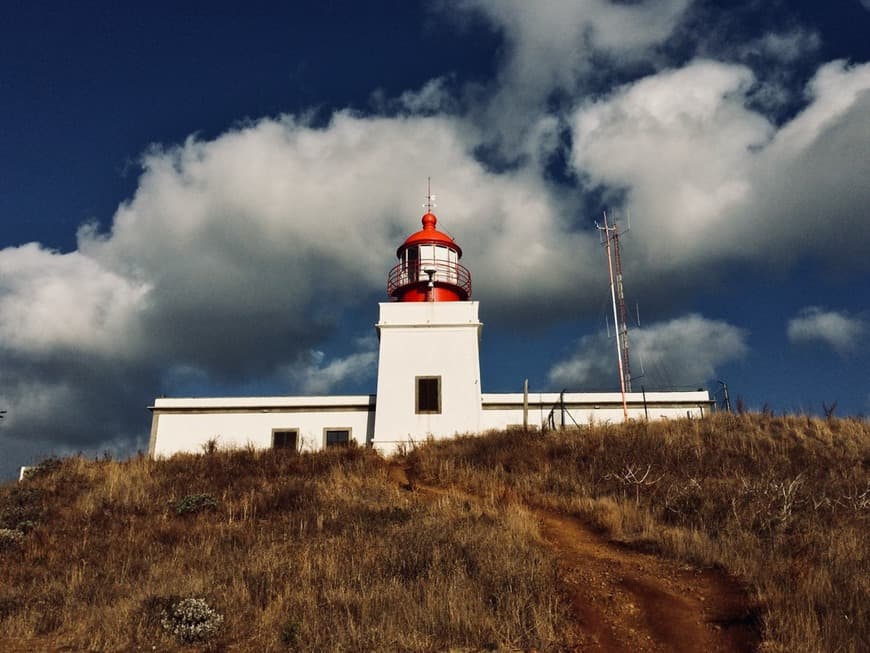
[336, 437]
[427, 252]
[411, 267]
[285, 439]
[428, 394]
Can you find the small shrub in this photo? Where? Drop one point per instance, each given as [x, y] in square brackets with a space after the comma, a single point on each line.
[10, 537]
[210, 446]
[10, 606]
[191, 620]
[290, 634]
[20, 505]
[43, 468]
[194, 503]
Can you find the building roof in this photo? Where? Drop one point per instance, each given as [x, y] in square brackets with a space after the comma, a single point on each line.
[429, 235]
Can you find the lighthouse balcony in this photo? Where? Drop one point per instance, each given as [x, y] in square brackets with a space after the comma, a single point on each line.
[420, 272]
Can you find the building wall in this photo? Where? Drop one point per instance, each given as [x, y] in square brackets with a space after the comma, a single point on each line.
[498, 411]
[427, 339]
[186, 425]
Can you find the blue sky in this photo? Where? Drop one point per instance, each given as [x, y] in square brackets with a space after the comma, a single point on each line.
[206, 200]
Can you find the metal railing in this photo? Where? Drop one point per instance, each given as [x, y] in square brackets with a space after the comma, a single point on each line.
[411, 273]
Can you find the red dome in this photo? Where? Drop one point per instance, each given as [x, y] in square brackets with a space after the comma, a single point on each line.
[433, 275]
[429, 235]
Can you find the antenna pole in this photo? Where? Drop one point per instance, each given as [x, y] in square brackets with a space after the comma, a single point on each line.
[608, 236]
[430, 198]
[620, 300]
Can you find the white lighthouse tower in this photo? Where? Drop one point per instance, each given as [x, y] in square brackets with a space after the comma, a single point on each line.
[429, 363]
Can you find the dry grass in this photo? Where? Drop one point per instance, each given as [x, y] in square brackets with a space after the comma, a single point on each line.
[781, 502]
[309, 552]
[325, 552]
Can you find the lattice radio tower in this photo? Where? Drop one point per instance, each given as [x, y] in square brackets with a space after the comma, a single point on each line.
[610, 239]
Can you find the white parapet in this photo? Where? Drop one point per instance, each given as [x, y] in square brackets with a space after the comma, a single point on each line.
[502, 410]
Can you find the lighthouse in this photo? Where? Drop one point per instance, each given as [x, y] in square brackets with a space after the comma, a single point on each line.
[429, 356]
[428, 383]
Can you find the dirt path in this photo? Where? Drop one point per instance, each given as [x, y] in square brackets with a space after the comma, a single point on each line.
[625, 600]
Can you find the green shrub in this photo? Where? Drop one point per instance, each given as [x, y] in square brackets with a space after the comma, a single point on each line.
[290, 634]
[194, 503]
[20, 507]
[10, 537]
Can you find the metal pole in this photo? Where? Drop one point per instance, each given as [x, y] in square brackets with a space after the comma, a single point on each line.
[526, 405]
[622, 327]
[645, 411]
[615, 319]
[726, 398]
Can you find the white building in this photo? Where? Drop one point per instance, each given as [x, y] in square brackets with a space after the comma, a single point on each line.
[428, 380]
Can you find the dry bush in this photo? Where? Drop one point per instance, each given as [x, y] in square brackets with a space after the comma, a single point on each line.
[781, 502]
[294, 552]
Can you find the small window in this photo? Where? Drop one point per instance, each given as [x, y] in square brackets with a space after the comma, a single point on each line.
[285, 439]
[411, 266]
[428, 394]
[336, 437]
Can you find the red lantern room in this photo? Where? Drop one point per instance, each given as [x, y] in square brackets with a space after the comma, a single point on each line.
[429, 268]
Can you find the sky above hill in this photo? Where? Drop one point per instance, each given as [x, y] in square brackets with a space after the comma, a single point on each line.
[205, 198]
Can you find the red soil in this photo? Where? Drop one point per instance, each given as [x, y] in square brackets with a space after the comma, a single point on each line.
[626, 600]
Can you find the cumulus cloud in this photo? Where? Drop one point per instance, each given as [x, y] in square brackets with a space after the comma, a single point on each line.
[839, 330]
[241, 255]
[322, 377]
[679, 141]
[710, 180]
[552, 46]
[433, 97]
[786, 47]
[777, 59]
[51, 302]
[260, 224]
[685, 351]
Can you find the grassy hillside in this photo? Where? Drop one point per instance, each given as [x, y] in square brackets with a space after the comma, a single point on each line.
[780, 502]
[289, 552]
[270, 551]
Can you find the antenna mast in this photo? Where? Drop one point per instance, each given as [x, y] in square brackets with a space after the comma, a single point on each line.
[610, 239]
[620, 303]
[430, 198]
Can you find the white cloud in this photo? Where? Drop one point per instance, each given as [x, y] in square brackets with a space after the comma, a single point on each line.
[680, 142]
[269, 220]
[685, 351]
[238, 255]
[778, 59]
[432, 97]
[810, 182]
[839, 330]
[786, 46]
[710, 181]
[319, 378]
[51, 301]
[550, 45]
